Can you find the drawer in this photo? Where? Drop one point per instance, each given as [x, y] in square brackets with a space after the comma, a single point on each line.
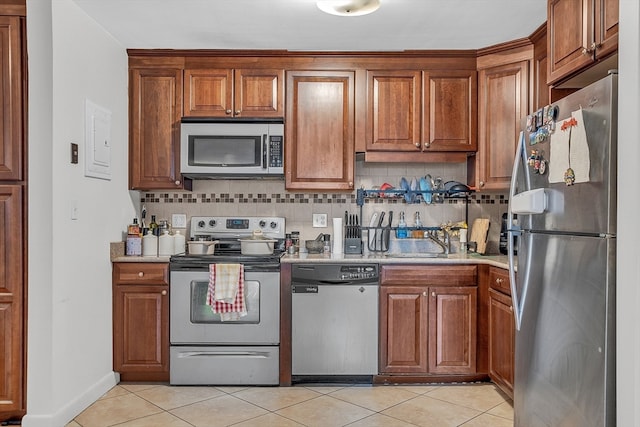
[499, 280]
[431, 275]
[143, 273]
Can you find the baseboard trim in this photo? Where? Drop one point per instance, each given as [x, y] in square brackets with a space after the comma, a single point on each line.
[69, 411]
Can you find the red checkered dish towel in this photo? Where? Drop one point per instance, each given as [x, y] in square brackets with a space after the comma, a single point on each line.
[220, 275]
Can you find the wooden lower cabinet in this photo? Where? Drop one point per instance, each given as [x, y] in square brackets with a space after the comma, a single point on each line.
[452, 329]
[501, 327]
[425, 329]
[141, 321]
[12, 303]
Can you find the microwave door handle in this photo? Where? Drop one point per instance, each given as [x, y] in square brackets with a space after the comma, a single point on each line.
[264, 151]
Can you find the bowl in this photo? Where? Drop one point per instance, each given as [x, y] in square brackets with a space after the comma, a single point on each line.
[257, 246]
[314, 246]
[202, 247]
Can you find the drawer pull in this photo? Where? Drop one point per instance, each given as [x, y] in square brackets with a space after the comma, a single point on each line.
[499, 281]
[141, 274]
[163, 292]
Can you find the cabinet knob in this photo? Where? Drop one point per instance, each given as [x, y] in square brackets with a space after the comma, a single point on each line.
[227, 111]
[481, 183]
[511, 308]
[433, 294]
[351, 184]
[427, 144]
[177, 182]
[238, 112]
[140, 274]
[499, 281]
[163, 292]
[424, 294]
[418, 145]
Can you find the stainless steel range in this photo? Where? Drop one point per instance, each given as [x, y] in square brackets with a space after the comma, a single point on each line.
[206, 350]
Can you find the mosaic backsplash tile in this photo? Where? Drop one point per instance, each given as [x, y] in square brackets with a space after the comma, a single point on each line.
[270, 198]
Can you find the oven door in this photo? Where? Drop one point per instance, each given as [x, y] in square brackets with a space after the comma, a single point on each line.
[192, 321]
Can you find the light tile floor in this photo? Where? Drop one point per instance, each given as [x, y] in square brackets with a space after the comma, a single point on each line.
[154, 405]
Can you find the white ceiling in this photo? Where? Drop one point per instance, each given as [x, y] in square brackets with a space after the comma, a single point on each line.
[300, 25]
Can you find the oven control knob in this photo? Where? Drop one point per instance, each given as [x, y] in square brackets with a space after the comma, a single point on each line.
[212, 223]
[200, 224]
[273, 224]
[262, 223]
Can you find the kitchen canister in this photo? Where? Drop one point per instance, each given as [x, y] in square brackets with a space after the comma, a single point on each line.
[179, 243]
[165, 244]
[149, 244]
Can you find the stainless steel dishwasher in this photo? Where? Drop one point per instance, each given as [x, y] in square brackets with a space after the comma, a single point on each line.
[334, 322]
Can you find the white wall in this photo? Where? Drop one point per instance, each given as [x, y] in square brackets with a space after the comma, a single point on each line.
[628, 259]
[69, 331]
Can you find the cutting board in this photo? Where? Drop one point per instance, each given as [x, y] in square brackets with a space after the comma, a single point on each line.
[479, 233]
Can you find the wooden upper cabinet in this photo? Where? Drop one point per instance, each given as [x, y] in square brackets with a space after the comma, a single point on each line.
[450, 118]
[234, 93]
[154, 128]
[12, 333]
[580, 32]
[319, 140]
[393, 110]
[11, 143]
[503, 102]
[421, 111]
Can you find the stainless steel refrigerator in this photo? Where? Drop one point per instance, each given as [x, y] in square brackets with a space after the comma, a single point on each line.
[563, 281]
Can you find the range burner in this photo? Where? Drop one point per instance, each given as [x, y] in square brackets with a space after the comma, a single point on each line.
[228, 230]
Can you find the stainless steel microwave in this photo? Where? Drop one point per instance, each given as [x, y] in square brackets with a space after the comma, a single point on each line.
[233, 148]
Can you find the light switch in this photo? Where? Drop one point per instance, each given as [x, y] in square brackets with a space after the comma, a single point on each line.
[74, 153]
[74, 209]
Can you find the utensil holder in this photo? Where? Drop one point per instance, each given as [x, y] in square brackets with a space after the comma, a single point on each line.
[380, 240]
[353, 245]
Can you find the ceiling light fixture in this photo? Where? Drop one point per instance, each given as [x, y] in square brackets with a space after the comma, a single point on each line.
[348, 7]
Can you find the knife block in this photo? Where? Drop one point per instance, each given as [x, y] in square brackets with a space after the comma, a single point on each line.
[353, 245]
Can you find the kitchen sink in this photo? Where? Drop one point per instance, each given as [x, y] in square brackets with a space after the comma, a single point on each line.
[417, 255]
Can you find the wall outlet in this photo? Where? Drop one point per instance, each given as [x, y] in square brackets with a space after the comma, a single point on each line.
[320, 220]
[179, 221]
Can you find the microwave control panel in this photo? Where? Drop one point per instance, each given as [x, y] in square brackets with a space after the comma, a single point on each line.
[276, 151]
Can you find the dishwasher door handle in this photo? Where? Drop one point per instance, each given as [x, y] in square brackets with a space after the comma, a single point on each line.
[304, 289]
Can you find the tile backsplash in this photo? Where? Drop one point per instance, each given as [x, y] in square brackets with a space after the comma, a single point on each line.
[269, 198]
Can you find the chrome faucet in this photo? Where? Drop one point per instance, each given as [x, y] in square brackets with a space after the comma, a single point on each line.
[445, 245]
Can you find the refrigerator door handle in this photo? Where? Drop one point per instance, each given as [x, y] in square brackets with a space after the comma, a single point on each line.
[514, 230]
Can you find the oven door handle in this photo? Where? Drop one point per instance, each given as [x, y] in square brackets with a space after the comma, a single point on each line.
[219, 353]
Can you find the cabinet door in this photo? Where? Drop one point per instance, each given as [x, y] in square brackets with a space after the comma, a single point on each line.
[12, 362]
[319, 143]
[403, 329]
[503, 103]
[259, 93]
[452, 330]
[570, 35]
[154, 145]
[141, 332]
[11, 139]
[606, 26]
[450, 121]
[501, 341]
[208, 93]
[393, 110]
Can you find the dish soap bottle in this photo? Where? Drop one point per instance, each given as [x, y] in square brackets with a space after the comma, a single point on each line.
[417, 233]
[401, 232]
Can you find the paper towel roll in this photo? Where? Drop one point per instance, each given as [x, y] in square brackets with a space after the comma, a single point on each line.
[463, 235]
[337, 236]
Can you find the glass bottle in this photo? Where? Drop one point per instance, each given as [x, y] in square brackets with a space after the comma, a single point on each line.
[153, 226]
[401, 232]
